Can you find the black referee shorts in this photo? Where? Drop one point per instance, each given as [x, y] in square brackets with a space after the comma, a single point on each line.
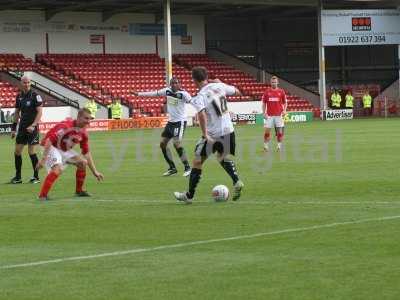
[26, 138]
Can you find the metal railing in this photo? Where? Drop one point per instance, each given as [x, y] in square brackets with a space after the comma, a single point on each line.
[62, 98]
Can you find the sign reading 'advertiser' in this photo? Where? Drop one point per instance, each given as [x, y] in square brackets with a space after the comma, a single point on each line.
[339, 114]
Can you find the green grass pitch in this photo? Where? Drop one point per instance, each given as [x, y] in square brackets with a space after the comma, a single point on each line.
[321, 221]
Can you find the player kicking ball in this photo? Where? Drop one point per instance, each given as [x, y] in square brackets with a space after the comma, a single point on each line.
[58, 152]
[218, 135]
[274, 106]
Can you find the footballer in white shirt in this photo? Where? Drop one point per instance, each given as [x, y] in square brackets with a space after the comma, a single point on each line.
[218, 135]
[176, 101]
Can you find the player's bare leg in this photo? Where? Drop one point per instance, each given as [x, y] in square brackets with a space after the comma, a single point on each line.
[267, 138]
[18, 164]
[34, 160]
[80, 175]
[168, 157]
[182, 155]
[51, 177]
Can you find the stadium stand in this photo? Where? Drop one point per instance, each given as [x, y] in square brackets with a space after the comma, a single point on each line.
[248, 85]
[15, 62]
[104, 77]
[8, 93]
[113, 76]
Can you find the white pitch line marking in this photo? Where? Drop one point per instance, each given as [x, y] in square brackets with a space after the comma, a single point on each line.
[244, 202]
[194, 243]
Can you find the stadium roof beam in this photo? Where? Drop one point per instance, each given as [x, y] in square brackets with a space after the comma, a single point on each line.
[76, 7]
[241, 11]
[257, 2]
[9, 4]
[106, 15]
[197, 8]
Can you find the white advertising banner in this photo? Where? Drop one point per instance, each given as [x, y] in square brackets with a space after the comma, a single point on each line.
[57, 26]
[360, 27]
[337, 114]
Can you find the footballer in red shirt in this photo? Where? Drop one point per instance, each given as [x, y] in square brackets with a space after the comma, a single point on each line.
[58, 152]
[274, 106]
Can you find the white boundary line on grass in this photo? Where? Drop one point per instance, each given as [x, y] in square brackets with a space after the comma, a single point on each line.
[194, 243]
[261, 202]
[172, 202]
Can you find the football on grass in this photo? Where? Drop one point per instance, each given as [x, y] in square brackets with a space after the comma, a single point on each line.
[220, 193]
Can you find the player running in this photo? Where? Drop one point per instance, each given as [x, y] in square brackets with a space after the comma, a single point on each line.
[176, 100]
[218, 134]
[274, 105]
[58, 144]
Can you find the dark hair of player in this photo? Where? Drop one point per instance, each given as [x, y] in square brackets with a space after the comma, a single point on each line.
[199, 74]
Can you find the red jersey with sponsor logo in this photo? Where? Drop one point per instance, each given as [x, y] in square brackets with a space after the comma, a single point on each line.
[65, 135]
[275, 99]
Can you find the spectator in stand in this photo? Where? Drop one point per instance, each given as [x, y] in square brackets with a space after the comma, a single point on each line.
[349, 100]
[116, 109]
[336, 99]
[367, 103]
[92, 106]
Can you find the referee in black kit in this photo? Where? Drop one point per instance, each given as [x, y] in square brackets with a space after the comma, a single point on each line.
[28, 111]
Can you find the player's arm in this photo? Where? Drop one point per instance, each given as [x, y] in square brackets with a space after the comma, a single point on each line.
[231, 90]
[92, 166]
[187, 97]
[86, 153]
[284, 103]
[237, 92]
[202, 117]
[199, 104]
[158, 93]
[264, 105]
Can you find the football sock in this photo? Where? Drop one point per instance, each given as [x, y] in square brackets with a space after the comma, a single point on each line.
[279, 137]
[194, 179]
[34, 160]
[18, 165]
[182, 155]
[266, 137]
[80, 179]
[167, 156]
[48, 183]
[230, 168]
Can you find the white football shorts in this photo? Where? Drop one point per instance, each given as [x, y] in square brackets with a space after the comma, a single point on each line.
[274, 121]
[59, 157]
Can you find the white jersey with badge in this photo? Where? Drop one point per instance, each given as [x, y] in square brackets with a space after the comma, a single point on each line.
[212, 99]
[176, 102]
